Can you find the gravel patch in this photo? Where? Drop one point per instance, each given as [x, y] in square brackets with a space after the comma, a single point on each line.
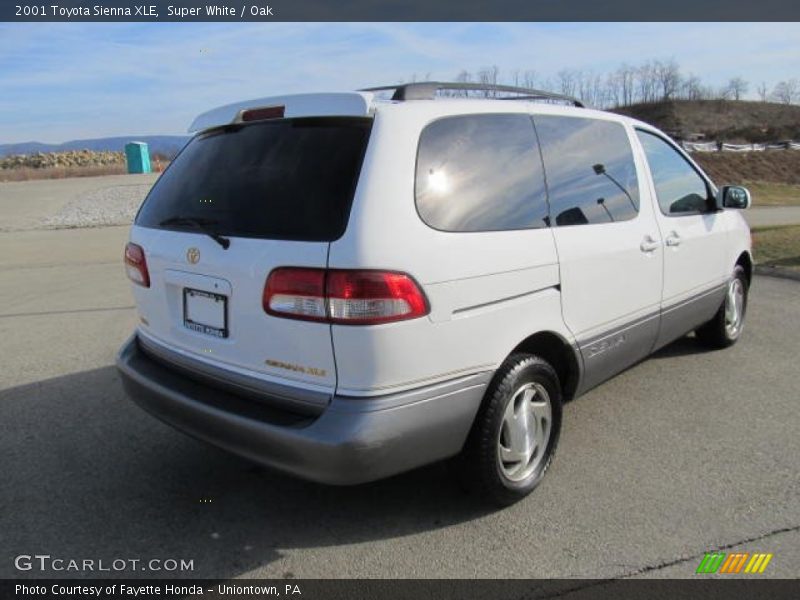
[116, 205]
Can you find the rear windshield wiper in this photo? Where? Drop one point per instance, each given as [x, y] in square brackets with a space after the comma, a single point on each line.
[200, 224]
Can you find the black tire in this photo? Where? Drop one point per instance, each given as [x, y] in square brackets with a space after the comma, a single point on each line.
[716, 333]
[479, 466]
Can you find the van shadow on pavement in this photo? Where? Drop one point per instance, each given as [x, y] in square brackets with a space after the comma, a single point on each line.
[87, 474]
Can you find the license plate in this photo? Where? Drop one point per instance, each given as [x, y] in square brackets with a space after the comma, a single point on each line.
[205, 312]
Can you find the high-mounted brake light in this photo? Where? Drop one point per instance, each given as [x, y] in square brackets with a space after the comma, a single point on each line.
[259, 114]
[354, 297]
[136, 264]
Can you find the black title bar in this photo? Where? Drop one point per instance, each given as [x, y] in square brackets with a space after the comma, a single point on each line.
[404, 589]
[398, 10]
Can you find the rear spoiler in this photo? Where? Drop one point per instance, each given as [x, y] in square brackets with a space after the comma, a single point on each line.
[295, 105]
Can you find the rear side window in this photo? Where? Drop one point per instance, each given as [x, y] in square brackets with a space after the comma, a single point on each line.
[480, 173]
[679, 188]
[591, 176]
[288, 179]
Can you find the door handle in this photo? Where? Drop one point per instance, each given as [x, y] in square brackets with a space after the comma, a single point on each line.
[648, 244]
[673, 240]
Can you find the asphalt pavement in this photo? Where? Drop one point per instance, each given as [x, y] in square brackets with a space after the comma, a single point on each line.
[772, 216]
[687, 452]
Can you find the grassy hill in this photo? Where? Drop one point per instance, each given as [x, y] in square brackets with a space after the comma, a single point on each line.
[773, 176]
[724, 120]
[774, 166]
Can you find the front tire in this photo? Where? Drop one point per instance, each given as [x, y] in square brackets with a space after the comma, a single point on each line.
[515, 434]
[725, 328]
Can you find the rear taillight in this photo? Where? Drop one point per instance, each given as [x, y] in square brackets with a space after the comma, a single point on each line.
[352, 297]
[296, 293]
[136, 265]
[368, 297]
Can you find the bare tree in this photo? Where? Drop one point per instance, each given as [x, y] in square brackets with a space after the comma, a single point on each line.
[592, 90]
[667, 75]
[567, 81]
[613, 90]
[529, 79]
[548, 84]
[692, 88]
[489, 76]
[463, 76]
[646, 83]
[650, 81]
[763, 91]
[626, 75]
[735, 88]
[787, 91]
[583, 83]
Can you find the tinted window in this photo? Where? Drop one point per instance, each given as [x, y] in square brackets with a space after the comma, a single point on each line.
[679, 188]
[591, 176]
[480, 173]
[283, 179]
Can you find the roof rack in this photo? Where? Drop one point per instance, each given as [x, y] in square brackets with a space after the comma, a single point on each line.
[426, 90]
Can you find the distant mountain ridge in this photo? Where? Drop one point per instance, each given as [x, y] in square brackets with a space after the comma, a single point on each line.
[168, 145]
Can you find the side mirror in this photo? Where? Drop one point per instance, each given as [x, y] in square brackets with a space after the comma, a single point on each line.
[734, 196]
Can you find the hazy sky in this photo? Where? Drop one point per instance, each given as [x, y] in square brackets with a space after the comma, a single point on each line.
[61, 81]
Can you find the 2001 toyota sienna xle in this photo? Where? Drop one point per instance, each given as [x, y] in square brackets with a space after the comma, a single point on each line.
[346, 286]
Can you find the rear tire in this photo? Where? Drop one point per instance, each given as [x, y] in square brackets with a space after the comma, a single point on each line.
[515, 434]
[725, 328]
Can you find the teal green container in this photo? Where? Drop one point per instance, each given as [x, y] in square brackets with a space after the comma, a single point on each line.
[137, 156]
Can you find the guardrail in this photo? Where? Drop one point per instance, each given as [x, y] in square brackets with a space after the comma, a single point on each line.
[723, 147]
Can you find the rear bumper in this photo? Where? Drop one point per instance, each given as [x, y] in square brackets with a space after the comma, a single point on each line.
[354, 440]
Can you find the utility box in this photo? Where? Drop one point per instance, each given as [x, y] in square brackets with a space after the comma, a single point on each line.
[137, 155]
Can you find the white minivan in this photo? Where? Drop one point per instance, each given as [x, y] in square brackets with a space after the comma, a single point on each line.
[345, 286]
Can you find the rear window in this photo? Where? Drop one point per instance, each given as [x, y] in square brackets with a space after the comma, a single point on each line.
[290, 179]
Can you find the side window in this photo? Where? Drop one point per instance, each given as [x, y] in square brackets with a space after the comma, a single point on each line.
[679, 187]
[591, 176]
[480, 173]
